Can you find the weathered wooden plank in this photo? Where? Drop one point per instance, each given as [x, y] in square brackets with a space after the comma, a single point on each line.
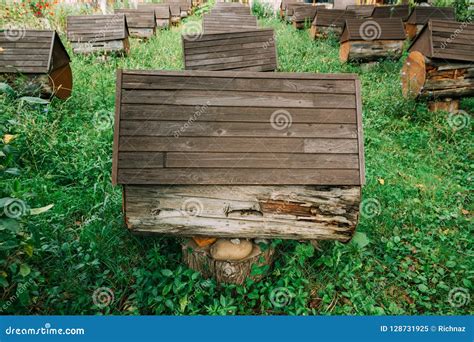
[235, 176]
[234, 114]
[288, 212]
[237, 129]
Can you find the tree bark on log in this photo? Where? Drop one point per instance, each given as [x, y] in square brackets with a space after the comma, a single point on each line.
[432, 79]
[230, 272]
[368, 51]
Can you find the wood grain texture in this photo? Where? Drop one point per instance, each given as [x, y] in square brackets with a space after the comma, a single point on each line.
[96, 28]
[287, 212]
[216, 127]
[231, 51]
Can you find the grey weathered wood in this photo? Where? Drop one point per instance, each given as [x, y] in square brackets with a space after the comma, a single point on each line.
[288, 212]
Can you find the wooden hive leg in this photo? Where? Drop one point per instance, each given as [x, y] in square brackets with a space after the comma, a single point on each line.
[212, 262]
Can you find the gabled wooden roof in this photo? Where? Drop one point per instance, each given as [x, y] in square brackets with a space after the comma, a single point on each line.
[449, 40]
[393, 11]
[421, 14]
[332, 17]
[284, 3]
[162, 11]
[252, 50]
[230, 9]
[246, 128]
[362, 11]
[303, 13]
[35, 52]
[138, 18]
[373, 29]
[99, 28]
[214, 23]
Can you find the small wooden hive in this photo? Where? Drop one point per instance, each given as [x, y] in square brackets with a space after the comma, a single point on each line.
[98, 33]
[291, 8]
[440, 66]
[252, 50]
[141, 23]
[366, 40]
[421, 14]
[329, 22]
[228, 23]
[286, 12]
[184, 7]
[162, 14]
[303, 15]
[392, 11]
[239, 154]
[361, 11]
[41, 57]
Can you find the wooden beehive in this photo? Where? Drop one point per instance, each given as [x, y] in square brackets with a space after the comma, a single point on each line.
[303, 16]
[361, 11]
[141, 23]
[440, 66]
[162, 14]
[184, 7]
[227, 23]
[421, 14]
[329, 22]
[391, 11]
[366, 40]
[230, 8]
[292, 7]
[252, 50]
[39, 56]
[98, 33]
[288, 12]
[239, 154]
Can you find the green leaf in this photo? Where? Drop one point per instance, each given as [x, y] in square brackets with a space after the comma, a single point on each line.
[450, 263]
[360, 240]
[9, 224]
[37, 211]
[167, 273]
[34, 100]
[24, 270]
[423, 288]
[13, 171]
[6, 89]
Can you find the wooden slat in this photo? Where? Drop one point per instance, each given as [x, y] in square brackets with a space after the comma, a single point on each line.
[96, 27]
[239, 176]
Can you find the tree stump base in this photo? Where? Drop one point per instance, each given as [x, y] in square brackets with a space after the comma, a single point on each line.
[229, 272]
[447, 105]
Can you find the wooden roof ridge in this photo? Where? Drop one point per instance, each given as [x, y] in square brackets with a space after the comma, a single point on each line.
[54, 59]
[445, 39]
[421, 14]
[373, 28]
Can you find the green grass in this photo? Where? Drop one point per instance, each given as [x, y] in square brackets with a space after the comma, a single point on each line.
[406, 259]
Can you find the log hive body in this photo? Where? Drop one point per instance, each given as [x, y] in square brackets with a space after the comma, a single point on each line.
[366, 40]
[40, 57]
[98, 33]
[440, 65]
[141, 23]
